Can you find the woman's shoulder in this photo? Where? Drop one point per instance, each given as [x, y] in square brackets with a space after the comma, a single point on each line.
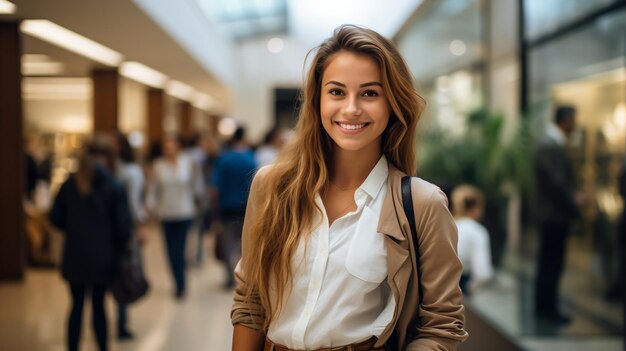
[421, 190]
[424, 188]
[260, 176]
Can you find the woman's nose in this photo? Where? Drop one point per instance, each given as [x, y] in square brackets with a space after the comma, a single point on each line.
[352, 106]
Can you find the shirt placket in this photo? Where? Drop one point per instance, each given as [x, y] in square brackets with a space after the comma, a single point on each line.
[315, 286]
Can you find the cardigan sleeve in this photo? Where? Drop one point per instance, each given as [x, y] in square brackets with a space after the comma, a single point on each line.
[248, 312]
[441, 314]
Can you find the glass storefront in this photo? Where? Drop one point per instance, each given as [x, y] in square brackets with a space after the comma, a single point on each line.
[444, 50]
[586, 69]
[543, 16]
[575, 55]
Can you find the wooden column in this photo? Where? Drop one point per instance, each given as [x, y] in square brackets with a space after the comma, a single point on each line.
[156, 108]
[12, 253]
[105, 99]
[186, 129]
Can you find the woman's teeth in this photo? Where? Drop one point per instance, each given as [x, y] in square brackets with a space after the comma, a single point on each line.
[351, 126]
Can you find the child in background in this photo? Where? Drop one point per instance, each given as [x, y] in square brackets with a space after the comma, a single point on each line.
[473, 247]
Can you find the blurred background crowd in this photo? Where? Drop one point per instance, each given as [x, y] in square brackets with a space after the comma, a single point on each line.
[164, 110]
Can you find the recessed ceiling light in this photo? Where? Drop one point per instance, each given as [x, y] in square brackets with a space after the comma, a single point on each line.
[202, 101]
[275, 45]
[7, 7]
[42, 68]
[36, 58]
[179, 90]
[143, 74]
[457, 47]
[55, 34]
[227, 126]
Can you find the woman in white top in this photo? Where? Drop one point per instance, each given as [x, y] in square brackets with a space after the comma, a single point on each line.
[175, 189]
[326, 259]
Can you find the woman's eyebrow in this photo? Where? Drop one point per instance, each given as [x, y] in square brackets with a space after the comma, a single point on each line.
[368, 84]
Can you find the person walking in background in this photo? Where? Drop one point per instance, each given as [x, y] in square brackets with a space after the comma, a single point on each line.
[174, 192]
[130, 174]
[91, 209]
[231, 180]
[274, 141]
[37, 201]
[211, 148]
[329, 260]
[557, 206]
[474, 248]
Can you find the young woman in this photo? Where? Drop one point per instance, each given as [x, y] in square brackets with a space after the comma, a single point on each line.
[327, 255]
[175, 189]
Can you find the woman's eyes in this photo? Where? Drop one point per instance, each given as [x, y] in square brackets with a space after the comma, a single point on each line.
[370, 93]
[367, 93]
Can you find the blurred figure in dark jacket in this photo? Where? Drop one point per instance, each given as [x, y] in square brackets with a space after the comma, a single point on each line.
[558, 204]
[91, 208]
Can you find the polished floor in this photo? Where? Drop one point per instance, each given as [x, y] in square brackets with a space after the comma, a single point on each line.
[33, 312]
[597, 323]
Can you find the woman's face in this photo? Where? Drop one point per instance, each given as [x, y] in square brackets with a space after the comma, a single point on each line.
[353, 105]
[170, 147]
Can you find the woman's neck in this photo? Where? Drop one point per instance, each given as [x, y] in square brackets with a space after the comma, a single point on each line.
[351, 168]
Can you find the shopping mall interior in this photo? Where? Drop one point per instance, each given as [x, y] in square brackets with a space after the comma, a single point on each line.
[492, 73]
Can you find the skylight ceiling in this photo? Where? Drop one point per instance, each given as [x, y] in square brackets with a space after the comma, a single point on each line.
[242, 19]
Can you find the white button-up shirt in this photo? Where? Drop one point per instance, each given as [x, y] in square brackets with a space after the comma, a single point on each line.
[339, 295]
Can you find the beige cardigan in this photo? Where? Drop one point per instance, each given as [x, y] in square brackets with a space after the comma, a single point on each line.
[441, 315]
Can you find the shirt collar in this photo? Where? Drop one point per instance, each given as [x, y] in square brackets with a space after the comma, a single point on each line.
[376, 179]
[555, 133]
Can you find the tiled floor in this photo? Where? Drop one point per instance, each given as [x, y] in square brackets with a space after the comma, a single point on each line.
[34, 312]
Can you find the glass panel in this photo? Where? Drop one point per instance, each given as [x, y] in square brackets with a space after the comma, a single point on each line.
[446, 38]
[546, 16]
[247, 18]
[596, 49]
[587, 70]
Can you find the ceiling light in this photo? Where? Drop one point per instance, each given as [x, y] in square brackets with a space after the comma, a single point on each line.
[57, 88]
[275, 45]
[457, 47]
[143, 74]
[227, 126]
[55, 34]
[42, 68]
[36, 58]
[179, 90]
[202, 101]
[7, 7]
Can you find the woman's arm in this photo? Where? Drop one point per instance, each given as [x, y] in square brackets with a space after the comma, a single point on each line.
[247, 339]
[247, 314]
[441, 314]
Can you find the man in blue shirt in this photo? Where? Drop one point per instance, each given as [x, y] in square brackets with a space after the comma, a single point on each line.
[231, 180]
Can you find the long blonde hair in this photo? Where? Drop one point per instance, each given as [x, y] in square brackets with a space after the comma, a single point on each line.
[287, 209]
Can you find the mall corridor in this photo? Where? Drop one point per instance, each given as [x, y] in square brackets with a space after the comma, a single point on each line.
[519, 106]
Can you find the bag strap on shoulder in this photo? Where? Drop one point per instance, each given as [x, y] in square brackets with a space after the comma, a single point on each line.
[407, 204]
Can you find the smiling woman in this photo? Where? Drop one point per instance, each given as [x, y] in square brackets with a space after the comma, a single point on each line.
[327, 262]
[354, 109]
